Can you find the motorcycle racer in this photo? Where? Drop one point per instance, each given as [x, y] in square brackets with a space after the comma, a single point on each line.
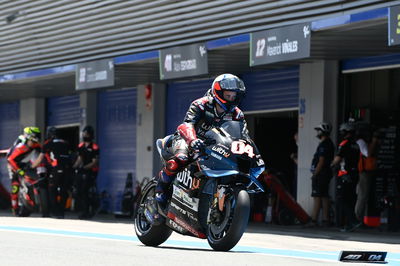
[20, 156]
[220, 104]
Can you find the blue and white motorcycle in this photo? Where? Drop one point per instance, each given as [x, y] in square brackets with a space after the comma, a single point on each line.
[210, 197]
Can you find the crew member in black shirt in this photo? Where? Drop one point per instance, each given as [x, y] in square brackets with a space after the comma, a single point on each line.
[87, 165]
[322, 174]
[58, 155]
[347, 177]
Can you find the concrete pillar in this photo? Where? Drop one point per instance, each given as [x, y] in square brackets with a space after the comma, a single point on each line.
[88, 106]
[318, 103]
[150, 126]
[32, 113]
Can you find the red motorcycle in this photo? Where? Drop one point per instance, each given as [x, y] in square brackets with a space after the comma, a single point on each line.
[33, 194]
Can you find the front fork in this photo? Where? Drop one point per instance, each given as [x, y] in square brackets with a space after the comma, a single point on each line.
[218, 203]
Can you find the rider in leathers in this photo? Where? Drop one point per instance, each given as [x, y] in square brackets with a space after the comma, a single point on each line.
[216, 107]
[25, 150]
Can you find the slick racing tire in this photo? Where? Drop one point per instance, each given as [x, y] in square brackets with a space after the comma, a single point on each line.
[23, 209]
[225, 235]
[149, 234]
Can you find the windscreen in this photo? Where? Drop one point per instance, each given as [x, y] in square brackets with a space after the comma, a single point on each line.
[234, 128]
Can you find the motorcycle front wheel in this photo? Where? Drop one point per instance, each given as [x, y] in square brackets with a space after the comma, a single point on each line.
[149, 234]
[224, 235]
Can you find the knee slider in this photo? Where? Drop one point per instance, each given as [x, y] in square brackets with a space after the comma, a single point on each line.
[172, 166]
[14, 189]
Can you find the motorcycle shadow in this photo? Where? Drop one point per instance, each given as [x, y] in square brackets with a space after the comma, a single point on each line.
[205, 249]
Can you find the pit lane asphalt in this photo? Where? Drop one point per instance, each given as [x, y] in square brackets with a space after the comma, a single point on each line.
[322, 244]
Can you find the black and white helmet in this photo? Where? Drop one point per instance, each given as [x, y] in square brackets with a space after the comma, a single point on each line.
[324, 127]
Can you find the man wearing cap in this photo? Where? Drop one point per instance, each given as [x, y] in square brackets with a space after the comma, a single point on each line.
[321, 173]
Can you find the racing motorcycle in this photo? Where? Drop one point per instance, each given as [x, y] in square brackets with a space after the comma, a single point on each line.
[209, 199]
[32, 194]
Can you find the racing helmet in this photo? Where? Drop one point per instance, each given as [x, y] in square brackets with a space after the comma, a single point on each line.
[324, 127]
[32, 133]
[227, 82]
[347, 127]
[51, 132]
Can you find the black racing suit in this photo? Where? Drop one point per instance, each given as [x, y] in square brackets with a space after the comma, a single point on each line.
[85, 182]
[201, 117]
[346, 182]
[58, 155]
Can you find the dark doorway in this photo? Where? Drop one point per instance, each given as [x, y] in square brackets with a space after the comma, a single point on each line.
[274, 136]
[70, 134]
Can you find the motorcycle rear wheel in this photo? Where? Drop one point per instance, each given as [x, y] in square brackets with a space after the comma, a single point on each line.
[23, 211]
[226, 234]
[149, 234]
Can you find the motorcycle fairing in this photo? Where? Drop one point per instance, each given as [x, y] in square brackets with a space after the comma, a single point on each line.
[182, 212]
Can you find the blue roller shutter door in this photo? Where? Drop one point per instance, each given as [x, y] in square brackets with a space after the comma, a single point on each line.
[266, 90]
[9, 131]
[370, 63]
[63, 110]
[271, 90]
[117, 140]
[179, 97]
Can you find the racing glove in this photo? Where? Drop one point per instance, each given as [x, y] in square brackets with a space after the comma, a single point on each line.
[197, 145]
[21, 172]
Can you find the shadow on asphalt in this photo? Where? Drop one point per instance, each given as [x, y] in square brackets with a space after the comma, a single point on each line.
[373, 235]
[198, 249]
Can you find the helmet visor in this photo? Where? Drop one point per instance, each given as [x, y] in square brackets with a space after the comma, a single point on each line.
[231, 84]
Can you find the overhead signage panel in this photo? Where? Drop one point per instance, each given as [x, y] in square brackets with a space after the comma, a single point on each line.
[394, 25]
[280, 44]
[96, 74]
[183, 61]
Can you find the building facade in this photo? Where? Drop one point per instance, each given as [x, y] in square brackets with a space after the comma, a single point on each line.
[72, 63]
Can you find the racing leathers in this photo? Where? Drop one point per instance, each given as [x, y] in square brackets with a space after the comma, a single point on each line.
[18, 159]
[201, 117]
[85, 180]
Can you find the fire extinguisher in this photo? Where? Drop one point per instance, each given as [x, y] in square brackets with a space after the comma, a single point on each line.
[148, 95]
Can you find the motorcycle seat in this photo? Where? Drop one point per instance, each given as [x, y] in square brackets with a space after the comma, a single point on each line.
[162, 147]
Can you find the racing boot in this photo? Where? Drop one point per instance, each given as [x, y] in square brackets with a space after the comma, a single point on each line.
[165, 179]
[14, 198]
[151, 213]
